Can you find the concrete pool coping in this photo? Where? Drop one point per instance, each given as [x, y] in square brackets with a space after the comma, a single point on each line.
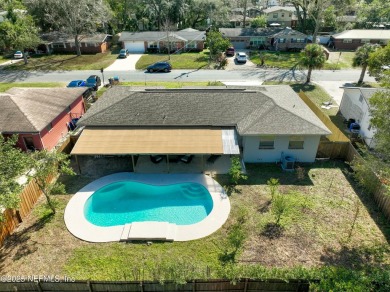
[78, 225]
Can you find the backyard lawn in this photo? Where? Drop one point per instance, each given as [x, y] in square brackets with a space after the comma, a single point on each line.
[326, 222]
[66, 62]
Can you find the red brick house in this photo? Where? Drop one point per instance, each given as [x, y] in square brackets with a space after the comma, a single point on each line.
[56, 42]
[157, 41]
[354, 38]
[40, 116]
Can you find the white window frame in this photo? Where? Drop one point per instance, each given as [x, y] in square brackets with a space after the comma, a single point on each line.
[296, 142]
[267, 142]
[153, 45]
[365, 41]
[347, 41]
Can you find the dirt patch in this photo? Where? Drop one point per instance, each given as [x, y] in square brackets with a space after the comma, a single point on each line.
[233, 65]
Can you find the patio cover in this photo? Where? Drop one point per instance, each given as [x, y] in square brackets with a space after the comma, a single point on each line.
[149, 141]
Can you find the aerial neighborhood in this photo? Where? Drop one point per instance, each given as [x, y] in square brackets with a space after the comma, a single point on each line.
[194, 145]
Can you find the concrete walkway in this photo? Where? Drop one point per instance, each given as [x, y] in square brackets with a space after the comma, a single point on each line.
[127, 64]
[333, 88]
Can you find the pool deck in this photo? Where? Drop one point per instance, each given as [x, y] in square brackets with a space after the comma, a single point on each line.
[78, 225]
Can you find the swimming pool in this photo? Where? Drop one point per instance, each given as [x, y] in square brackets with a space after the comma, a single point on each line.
[203, 195]
[128, 201]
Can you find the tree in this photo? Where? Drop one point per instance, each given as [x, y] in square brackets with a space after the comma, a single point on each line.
[235, 171]
[312, 57]
[48, 165]
[361, 58]
[216, 43]
[74, 17]
[13, 163]
[279, 207]
[377, 60]
[373, 13]
[259, 21]
[18, 32]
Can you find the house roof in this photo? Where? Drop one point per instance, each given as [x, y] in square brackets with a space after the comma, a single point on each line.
[264, 110]
[59, 37]
[187, 34]
[279, 8]
[288, 32]
[32, 109]
[380, 34]
[247, 32]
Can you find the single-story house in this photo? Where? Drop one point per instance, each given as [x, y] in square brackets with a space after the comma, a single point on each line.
[41, 117]
[56, 42]
[261, 124]
[285, 16]
[354, 38]
[186, 40]
[270, 37]
[355, 105]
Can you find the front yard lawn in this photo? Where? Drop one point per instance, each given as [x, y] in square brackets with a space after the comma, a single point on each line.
[178, 61]
[328, 222]
[66, 62]
[285, 60]
[6, 86]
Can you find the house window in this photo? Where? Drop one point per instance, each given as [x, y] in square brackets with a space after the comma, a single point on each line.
[290, 15]
[61, 46]
[275, 15]
[69, 109]
[49, 127]
[296, 142]
[153, 45]
[363, 41]
[383, 42]
[191, 45]
[282, 14]
[347, 41]
[281, 40]
[267, 142]
[361, 98]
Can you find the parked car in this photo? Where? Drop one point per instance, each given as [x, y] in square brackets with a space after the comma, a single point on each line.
[229, 51]
[159, 67]
[18, 55]
[76, 83]
[241, 57]
[123, 53]
[93, 82]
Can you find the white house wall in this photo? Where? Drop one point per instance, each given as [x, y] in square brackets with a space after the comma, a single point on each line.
[252, 153]
[352, 107]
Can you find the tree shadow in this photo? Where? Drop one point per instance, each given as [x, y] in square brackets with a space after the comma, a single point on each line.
[264, 207]
[20, 244]
[272, 231]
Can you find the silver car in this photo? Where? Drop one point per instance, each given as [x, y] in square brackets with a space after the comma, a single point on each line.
[241, 57]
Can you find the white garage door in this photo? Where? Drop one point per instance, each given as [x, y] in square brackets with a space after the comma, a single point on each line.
[135, 47]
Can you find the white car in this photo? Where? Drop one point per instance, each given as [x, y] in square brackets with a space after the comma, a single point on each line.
[18, 55]
[241, 57]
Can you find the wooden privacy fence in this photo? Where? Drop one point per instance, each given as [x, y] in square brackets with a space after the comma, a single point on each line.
[245, 285]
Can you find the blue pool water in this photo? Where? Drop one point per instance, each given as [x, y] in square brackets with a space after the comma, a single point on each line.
[126, 201]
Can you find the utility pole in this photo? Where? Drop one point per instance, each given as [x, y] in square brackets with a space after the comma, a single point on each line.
[101, 70]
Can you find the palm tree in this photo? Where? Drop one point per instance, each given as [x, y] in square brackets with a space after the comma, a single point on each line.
[361, 58]
[312, 57]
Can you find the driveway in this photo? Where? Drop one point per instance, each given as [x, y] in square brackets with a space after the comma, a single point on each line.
[127, 64]
[333, 88]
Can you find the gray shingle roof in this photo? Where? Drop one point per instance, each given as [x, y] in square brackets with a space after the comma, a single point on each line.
[243, 32]
[59, 37]
[280, 8]
[32, 109]
[185, 34]
[263, 110]
[372, 34]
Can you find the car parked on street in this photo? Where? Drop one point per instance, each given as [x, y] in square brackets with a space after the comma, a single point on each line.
[18, 55]
[123, 53]
[93, 82]
[241, 57]
[159, 67]
[76, 83]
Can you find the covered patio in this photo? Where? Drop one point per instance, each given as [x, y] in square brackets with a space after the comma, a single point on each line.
[184, 150]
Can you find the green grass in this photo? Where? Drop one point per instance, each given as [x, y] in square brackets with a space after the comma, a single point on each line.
[285, 60]
[66, 62]
[3, 59]
[178, 84]
[339, 60]
[178, 61]
[6, 86]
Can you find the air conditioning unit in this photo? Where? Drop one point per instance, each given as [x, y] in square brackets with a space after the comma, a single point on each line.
[288, 162]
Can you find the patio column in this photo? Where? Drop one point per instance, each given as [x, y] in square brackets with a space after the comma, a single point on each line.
[168, 163]
[78, 164]
[202, 161]
[132, 161]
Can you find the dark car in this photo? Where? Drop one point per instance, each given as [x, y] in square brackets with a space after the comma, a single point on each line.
[123, 53]
[159, 67]
[229, 51]
[76, 83]
[93, 82]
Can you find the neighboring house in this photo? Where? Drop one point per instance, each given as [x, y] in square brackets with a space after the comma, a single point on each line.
[41, 117]
[259, 124]
[238, 21]
[282, 15]
[185, 40]
[271, 38]
[355, 105]
[56, 42]
[354, 38]
[268, 3]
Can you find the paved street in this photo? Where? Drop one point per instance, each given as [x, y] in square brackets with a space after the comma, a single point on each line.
[252, 74]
